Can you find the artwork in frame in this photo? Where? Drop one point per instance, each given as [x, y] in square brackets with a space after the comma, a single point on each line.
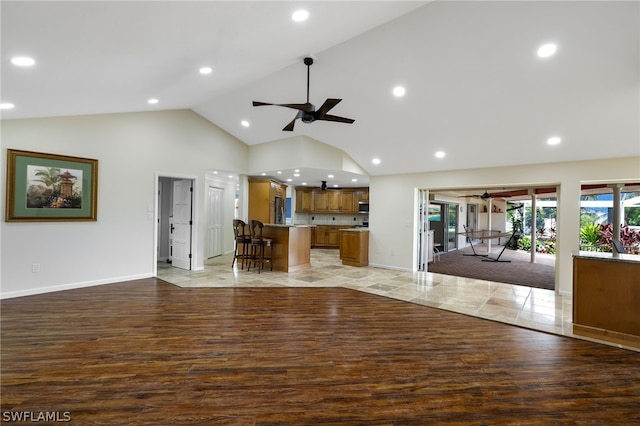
[50, 188]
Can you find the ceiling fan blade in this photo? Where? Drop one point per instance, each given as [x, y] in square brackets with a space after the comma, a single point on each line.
[328, 117]
[301, 107]
[289, 127]
[327, 105]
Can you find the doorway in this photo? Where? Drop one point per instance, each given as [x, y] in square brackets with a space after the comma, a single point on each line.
[215, 197]
[443, 220]
[174, 211]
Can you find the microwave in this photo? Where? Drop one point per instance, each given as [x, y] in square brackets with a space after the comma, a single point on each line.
[363, 207]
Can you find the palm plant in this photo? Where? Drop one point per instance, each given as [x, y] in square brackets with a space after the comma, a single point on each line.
[49, 176]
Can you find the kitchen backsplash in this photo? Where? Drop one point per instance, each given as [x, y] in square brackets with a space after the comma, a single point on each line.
[330, 219]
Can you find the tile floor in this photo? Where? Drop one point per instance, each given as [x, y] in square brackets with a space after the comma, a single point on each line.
[533, 308]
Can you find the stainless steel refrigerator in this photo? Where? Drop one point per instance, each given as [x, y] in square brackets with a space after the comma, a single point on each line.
[279, 207]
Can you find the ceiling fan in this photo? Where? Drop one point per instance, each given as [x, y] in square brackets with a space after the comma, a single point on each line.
[307, 111]
[486, 196]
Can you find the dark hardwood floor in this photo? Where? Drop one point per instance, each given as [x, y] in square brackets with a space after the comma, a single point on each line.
[147, 352]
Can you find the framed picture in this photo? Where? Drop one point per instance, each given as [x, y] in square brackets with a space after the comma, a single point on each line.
[50, 188]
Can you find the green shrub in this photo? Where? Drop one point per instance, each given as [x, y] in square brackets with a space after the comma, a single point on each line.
[590, 234]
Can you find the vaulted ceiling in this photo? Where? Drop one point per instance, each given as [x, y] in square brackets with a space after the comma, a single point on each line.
[475, 87]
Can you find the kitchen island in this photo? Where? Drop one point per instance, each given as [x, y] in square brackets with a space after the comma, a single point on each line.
[291, 250]
[606, 297]
[354, 246]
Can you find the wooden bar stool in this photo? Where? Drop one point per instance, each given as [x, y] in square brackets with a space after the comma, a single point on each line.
[258, 244]
[242, 242]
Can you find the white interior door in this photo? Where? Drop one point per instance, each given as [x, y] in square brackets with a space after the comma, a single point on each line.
[214, 221]
[181, 231]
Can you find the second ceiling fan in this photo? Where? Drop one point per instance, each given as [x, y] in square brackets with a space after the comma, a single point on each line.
[307, 112]
[487, 196]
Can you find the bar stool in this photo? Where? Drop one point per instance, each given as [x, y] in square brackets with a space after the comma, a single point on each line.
[242, 238]
[258, 244]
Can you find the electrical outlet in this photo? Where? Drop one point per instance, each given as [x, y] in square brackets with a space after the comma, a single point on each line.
[35, 268]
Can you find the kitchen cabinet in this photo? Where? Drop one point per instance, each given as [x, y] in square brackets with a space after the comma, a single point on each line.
[361, 195]
[354, 247]
[320, 201]
[304, 200]
[606, 296]
[327, 236]
[264, 194]
[347, 204]
[343, 201]
[334, 201]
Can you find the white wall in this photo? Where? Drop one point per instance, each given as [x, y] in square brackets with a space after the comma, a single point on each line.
[299, 151]
[392, 215]
[131, 149]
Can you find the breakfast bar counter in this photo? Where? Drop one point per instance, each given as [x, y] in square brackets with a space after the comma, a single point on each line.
[291, 250]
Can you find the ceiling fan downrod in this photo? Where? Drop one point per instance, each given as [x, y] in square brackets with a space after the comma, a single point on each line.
[308, 62]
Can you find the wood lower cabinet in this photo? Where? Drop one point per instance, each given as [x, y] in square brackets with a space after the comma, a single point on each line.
[606, 297]
[354, 247]
[327, 236]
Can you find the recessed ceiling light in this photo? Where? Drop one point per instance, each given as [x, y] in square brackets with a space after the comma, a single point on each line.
[440, 154]
[376, 161]
[244, 123]
[330, 176]
[300, 15]
[263, 174]
[335, 185]
[279, 172]
[153, 101]
[296, 175]
[296, 171]
[554, 140]
[6, 105]
[215, 172]
[289, 179]
[23, 61]
[354, 180]
[230, 176]
[399, 91]
[206, 70]
[547, 50]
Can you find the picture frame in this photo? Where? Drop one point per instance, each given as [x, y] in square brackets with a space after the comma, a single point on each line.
[45, 187]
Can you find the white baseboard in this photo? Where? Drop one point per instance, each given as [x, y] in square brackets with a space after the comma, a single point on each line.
[394, 268]
[61, 287]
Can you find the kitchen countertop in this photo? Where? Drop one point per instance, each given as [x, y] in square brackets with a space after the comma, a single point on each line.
[631, 258]
[354, 230]
[275, 225]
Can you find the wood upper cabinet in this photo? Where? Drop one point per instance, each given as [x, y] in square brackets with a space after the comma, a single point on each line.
[262, 195]
[347, 203]
[329, 201]
[304, 200]
[334, 201]
[320, 201]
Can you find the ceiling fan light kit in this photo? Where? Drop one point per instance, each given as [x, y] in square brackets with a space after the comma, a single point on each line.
[307, 112]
